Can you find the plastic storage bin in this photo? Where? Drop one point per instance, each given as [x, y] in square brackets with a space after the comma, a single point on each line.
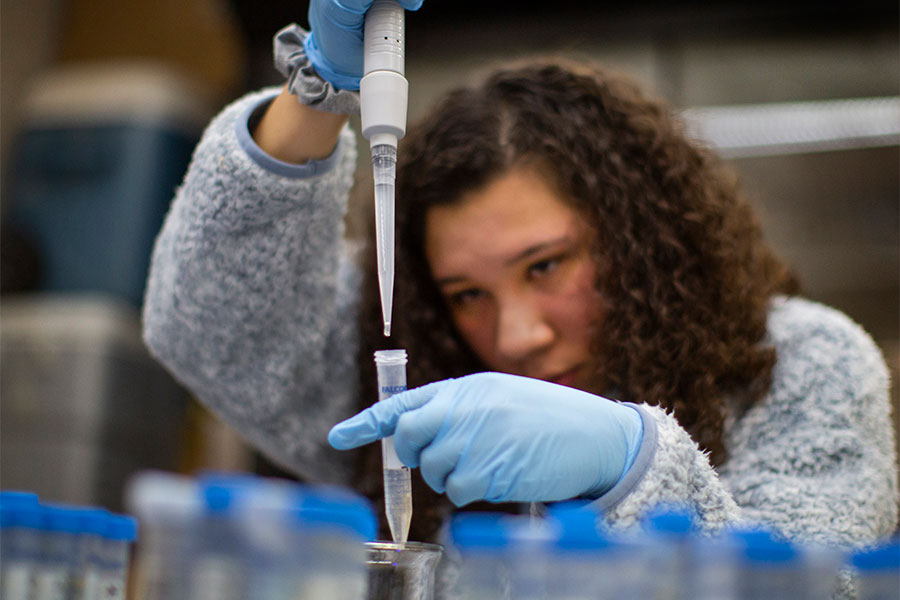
[84, 406]
[94, 169]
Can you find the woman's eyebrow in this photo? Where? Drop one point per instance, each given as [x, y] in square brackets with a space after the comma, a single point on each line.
[536, 249]
[449, 280]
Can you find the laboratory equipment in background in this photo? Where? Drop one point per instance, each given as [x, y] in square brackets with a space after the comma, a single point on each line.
[19, 543]
[571, 554]
[483, 543]
[391, 368]
[168, 508]
[587, 561]
[383, 100]
[94, 168]
[84, 404]
[62, 551]
[235, 536]
[675, 528]
[769, 566]
[401, 571]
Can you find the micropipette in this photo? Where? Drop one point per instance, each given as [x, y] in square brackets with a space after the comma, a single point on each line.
[383, 94]
[391, 366]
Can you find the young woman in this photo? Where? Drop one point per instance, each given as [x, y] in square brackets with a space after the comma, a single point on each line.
[582, 288]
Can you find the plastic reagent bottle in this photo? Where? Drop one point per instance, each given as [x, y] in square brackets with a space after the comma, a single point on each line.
[113, 565]
[383, 97]
[20, 543]
[169, 509]
[391, 366]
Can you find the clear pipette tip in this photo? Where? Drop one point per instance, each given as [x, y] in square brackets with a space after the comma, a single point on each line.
[384, 170]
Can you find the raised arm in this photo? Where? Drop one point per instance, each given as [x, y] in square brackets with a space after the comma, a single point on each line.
[295, 133]
[251, 296]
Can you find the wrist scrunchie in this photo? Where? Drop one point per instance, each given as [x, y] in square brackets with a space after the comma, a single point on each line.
[303, 80]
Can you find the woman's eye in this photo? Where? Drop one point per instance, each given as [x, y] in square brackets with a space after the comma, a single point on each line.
[464, 297]
[542, 267]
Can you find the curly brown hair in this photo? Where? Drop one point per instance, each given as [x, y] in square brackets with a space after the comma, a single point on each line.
[683, 268]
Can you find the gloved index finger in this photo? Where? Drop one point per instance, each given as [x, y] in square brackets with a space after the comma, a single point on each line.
[356, 6]
[379, 420]
[411, 4]
[361, 6]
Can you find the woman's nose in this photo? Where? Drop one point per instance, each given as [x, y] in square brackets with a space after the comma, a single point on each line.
[522, 329]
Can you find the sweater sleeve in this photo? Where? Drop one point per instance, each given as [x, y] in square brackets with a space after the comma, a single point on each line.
[251, 297]
[669, 468]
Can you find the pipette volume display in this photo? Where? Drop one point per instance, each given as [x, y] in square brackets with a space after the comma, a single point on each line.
[383, 99]
[391, 366]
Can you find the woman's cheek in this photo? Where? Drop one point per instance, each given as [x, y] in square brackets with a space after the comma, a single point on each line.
[476, 329]
[579, 307]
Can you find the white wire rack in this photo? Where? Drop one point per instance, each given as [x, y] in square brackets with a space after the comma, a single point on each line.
[755, 130]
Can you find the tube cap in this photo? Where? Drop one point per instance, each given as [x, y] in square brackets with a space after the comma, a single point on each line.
[121, 528]
[334, 508]
[482, 531]
[16, 498]
[760, 546]
[224, 493]
[885, 557]
[61, 518]
[578, 529]
[673, 521]
[28, 517]
[94, 521]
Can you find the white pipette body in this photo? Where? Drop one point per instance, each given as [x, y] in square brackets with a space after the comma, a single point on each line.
[383, 101]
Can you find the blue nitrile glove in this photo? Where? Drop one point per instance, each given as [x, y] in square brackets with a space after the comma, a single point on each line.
[335, 43]
[503, 438]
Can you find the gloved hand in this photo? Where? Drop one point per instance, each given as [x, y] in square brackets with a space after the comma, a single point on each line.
[335, 43]
[503, 438]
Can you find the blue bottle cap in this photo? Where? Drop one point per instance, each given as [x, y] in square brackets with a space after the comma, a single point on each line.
[93, 520]
[16, 498]
[327, 507]
[121, 528]
[232, 480]
[578, 528]
[885, 557]
[28, 517]
[479, 530]
[12, 505]
[763, 546]
[218, 500]
[670, 520]
[223, 493]
[61, 518]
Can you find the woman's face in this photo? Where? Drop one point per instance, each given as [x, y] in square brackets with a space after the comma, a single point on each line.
[513, 263]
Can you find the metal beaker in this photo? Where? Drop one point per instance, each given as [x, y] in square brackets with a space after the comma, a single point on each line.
[401, 571]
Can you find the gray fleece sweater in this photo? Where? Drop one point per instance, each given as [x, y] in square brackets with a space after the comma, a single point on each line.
[252, 304]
